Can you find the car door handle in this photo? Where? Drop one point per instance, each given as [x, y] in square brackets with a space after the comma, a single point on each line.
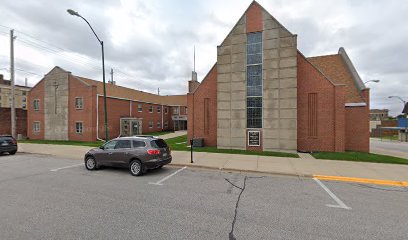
[110, 153]
[126, 153]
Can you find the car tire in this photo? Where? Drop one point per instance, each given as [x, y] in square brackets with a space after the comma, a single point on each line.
[90, 163]
[12, 153]
[136, 168]
[160, 166]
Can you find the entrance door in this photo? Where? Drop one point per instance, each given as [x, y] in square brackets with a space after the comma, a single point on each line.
[135, 127]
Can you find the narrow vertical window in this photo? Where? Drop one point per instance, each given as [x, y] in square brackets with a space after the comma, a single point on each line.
[36, 126]
[206, 115]
[36, 104]
[139, 107]
[312, 114]
[150, 109]
[79, 103]
[254, 80]
[78, 127]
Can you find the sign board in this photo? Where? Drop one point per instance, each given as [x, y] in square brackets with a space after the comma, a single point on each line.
[254, 138]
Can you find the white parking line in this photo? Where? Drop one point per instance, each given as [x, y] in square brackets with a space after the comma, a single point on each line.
[171, 175]
[57, 169]
[335, 198]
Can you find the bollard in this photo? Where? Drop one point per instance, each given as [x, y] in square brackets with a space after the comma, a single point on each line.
[191, 149]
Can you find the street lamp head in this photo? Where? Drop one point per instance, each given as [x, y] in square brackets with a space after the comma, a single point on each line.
[374, 80]
[73, 13]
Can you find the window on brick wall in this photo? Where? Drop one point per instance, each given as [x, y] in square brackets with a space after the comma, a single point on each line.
[36, 126]
[158, 125]
[79, 104]
[139, 107]
[150, 124]
[312, 114]
[166, 124]
[78, 127]
[150, 109]
[186, 110]
[166, 110]
[159, 109]
[36, 104]
[175, 110]
[254, 80]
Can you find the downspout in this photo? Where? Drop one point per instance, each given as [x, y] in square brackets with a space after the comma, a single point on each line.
[162, 110]
[130, 107]
[97, 118]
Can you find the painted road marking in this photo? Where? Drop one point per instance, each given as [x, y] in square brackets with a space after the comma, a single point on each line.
[331, 194]
[57, 169]
[362, 180]
[171, 175]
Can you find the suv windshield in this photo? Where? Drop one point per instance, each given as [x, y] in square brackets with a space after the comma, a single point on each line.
[159, 143]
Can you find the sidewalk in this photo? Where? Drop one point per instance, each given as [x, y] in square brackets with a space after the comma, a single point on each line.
[306, 167]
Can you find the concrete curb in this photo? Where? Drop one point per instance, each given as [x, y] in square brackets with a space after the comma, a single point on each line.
[241, 170]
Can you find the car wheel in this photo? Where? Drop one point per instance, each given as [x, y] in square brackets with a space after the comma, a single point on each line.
[90, 163]
[136, 168]
[159, 166]
[12, 153]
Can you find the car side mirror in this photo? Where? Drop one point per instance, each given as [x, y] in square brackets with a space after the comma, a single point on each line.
[102, 147]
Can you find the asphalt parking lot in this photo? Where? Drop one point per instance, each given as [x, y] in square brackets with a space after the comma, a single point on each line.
[43, 197]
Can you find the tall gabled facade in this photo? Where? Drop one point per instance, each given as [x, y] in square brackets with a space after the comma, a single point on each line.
[263, 94]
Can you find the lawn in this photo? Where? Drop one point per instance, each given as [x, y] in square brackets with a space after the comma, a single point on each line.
[359, 157]
[180, 144]
[61, 142]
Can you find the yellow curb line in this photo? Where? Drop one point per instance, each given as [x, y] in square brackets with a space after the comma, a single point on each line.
[362, 180]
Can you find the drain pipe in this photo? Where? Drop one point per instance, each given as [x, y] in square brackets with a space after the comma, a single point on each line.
[97, 118]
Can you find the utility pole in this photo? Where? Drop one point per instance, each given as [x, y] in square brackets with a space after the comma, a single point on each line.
[158, 91]
[111, 76]
[13, 103]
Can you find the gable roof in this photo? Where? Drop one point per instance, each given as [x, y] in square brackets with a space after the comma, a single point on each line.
[337, 70]
[129, 93]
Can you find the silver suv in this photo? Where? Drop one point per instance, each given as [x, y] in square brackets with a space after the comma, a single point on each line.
[138, 153]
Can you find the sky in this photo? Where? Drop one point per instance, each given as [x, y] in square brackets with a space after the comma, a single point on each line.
[150, 44]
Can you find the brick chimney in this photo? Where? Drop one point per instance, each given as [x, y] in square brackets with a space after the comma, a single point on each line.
[193, 83]
[1, 79]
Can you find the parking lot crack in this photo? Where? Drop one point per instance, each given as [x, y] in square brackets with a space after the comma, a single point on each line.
[231, 234]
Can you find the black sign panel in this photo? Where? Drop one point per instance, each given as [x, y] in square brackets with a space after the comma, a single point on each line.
[254, 138]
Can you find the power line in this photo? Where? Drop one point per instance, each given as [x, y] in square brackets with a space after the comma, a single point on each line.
[32, 41]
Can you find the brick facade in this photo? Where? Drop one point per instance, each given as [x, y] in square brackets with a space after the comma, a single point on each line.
[309, 104]
[202, 105]
[121, 103]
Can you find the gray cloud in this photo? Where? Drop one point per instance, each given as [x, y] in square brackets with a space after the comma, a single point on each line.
[149, 43]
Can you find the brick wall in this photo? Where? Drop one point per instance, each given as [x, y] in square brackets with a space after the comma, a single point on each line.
[120, 108]
[203, 123]
[5, 121]
[357, 126]
[330, 110]
[85, 115]
[37, 92]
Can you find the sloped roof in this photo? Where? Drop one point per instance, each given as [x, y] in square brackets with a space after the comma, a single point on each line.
[128, 93]
[334, 68]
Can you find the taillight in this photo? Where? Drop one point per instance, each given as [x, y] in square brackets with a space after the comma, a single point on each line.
[153, 152]
[14, 141]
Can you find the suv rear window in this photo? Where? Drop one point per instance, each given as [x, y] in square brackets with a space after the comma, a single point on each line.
[159, 143]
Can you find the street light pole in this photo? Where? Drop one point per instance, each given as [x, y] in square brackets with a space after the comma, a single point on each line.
[405, 114]
[74, 13]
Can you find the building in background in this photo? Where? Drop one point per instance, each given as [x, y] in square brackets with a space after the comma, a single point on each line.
[63, 106]
[20, 96]
[263, 94]
[378, 114]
